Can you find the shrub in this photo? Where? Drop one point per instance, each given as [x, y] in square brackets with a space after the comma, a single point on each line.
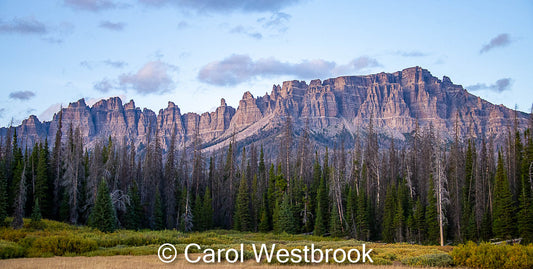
[10, 250]
[60, 245]
[439, 260]
[486, 255]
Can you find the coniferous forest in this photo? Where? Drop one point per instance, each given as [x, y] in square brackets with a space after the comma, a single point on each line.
[425, 190]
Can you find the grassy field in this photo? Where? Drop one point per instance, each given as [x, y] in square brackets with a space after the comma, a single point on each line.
[56, 239]
[59, 245]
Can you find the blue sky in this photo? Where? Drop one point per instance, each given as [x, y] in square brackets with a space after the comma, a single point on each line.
[194, 52]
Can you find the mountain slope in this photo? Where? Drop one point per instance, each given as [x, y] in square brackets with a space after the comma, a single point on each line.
[394, 101]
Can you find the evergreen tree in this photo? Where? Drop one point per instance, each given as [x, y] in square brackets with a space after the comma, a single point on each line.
[103, 216]
[351, 211]
[335, 226]
[159, 220]
[134, 209]
[432, 222]
[3, 194]
[198, 214]
[419, 221]
[207, 210]
[363, 232]
[36, 215]
[241, 221]
[264, 221]
[286, 222]
[42, 181]
[321, 215]
[503, 209]
[525, 215]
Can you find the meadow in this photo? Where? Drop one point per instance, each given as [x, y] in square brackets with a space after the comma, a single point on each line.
[69, 244]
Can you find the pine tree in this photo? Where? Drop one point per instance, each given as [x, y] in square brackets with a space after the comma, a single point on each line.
[103, 215]
[321, 215]
[351, 211]
[3, 194]
[503, 209]
[159, 220]
[286, 217]
[363, 225]
[134, 209]
[197, 213]
[419, 221]
[207, 210]
[335, 226]
[36, 216]
[432, 222]
[264, 221]
[241, 221]
[525, 215]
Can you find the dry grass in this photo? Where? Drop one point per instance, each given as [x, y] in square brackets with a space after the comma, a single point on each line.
[152, 261]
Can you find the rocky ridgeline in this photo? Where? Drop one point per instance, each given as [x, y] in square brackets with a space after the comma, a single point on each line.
[395, 102]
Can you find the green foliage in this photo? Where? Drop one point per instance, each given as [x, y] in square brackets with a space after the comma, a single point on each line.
[9, 250]
[36, 217]
[103, 215]
[241, 220]
[285, 222]
[525, 215]
[388, 214]
[503, 209]
[3, 194]
[133, 209]
[207, 210]
[486, 255]
[432, 223]
[439, 260]
[335, 227]
[61, 245]
[159, 221]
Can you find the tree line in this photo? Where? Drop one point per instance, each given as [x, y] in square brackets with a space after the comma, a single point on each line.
[425, 189]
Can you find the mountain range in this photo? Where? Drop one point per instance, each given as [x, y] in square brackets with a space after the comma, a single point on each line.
[394, 102]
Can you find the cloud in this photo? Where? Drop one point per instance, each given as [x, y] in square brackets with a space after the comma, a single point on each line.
[115, 64]
[153, 78]
[240, 68]
[90, 5]
[2, 111]
[413, 53]
[277, 21]
[114, 26]
[90, 65]
[225, 5]
[22, 95]
[23, 26]
[500, 85]
[501, 40]
[105, 85]
[241, 30]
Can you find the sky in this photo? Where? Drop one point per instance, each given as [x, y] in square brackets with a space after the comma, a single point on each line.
[195, 52]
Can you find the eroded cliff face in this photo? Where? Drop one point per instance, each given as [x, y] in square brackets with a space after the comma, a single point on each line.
[395, 102]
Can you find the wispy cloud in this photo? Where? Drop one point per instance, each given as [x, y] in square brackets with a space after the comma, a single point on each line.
[90, 5]
[277, 21]
[114, 26]
[413, 53]
[501, 40]
[183, 25]
[248, 32]
[23, 26]
[224, 5]
[237, 68]
[2, 111]
[105, 85]
[91, 64]
[22, 95]
[500, 85]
